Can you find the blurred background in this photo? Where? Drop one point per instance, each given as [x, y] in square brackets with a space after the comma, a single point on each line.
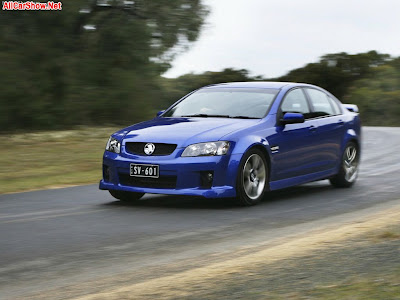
[107, 61]
[105, 64]
[70, 78]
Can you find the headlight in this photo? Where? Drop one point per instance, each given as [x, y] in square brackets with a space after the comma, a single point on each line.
[113, 145]
[206, 149]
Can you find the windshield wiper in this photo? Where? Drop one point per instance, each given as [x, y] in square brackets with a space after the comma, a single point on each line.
[205, 116]
[243, 117]
[217, 116]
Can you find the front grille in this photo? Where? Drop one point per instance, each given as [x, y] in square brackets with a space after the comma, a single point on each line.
[163, 182]
[160, 148]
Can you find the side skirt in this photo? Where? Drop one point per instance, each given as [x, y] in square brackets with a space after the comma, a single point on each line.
[284, 183]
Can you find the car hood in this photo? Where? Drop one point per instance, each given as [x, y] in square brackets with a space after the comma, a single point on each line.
[184, 131]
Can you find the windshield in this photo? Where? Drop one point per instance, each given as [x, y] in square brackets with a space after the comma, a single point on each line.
[225, 103]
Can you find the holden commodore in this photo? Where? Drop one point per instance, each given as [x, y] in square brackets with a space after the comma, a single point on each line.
[236, 140]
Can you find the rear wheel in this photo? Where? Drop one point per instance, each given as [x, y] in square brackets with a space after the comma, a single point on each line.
[349, 168]
[126, 196]
[252, 179]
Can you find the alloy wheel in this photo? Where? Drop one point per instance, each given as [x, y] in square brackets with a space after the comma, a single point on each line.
[350, 163]
[254, 176]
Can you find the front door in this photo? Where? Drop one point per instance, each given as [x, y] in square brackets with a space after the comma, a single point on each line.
[294, 146]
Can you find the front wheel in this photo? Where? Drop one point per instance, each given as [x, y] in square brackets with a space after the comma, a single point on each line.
[252, 179]
[126, 196]
[349, 168]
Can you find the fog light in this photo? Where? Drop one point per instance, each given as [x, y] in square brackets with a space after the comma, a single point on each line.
[206, 179]
[106, 173]
[210, 177]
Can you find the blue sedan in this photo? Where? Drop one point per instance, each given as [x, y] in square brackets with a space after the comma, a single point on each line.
[238, 140]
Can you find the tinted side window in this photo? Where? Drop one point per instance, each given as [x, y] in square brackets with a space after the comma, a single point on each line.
[335, 106]
[295, 101]
[321, 103]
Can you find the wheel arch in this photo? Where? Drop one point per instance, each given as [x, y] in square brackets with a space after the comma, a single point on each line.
[355, 141]
[352, 136]
[242, 195]
[267, 156]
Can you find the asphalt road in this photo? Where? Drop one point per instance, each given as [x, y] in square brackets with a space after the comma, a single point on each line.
[56, 239]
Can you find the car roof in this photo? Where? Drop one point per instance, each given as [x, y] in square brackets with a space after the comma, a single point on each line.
[258, 84]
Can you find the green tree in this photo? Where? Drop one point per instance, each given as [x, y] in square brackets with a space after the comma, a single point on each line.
[178, 87]
[378, 95]
[336, 72]
[93, 62]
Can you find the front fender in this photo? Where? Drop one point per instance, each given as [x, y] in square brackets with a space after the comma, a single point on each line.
[241, 147]
[244, 144]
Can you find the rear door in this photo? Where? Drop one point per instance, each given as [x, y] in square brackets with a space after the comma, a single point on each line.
[329, 135]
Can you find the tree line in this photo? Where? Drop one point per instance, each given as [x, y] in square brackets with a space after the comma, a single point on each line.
[101, 62]
[371, 80]
[95, 62]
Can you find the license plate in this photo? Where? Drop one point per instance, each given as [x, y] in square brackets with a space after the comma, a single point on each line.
[144, 170]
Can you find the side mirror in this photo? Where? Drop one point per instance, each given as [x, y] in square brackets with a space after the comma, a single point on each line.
[292, 118]
[160, 113]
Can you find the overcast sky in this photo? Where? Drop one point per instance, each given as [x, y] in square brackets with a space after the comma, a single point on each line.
[270, 38]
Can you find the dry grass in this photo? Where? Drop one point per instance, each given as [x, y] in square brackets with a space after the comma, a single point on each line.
[389, 235]
[51, 159]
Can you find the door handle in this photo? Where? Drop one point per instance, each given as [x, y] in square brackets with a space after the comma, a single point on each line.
[312, 128]
[341, 122]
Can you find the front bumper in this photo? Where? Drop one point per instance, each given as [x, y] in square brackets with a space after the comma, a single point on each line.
[178, 175]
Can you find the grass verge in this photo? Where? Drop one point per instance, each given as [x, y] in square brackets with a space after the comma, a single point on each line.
[52, 159]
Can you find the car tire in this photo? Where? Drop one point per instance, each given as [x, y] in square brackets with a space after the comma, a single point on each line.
[126, 196]
[348, 172]
[252, 180]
